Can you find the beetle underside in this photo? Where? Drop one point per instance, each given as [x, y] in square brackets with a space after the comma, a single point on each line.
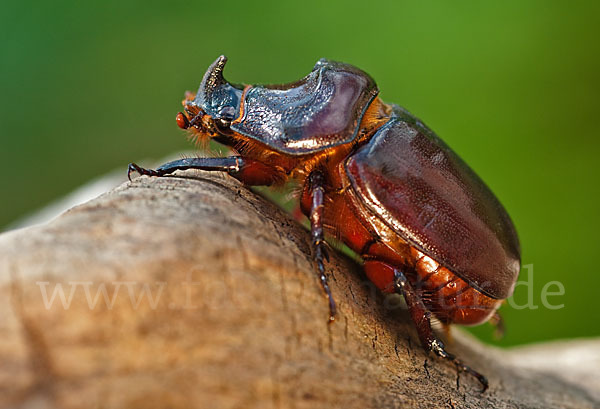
[374, 177]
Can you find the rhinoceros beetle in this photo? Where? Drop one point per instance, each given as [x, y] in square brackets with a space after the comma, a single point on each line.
[373, 175]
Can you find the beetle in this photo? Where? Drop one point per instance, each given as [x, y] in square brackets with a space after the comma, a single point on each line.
[373, 175]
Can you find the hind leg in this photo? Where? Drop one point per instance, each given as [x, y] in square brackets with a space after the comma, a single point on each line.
[380, 273]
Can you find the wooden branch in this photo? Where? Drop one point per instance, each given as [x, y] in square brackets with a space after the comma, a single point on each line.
[193, 292]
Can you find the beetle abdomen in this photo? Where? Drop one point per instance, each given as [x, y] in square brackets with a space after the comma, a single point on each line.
[450, 298]
[411, 181]
[447, 296]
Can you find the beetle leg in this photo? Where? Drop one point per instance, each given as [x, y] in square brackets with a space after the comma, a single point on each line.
[316, 181]
[422, 319]
[228, 164]
[248, 171]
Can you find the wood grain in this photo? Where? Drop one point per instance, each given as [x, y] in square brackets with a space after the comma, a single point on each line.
[236, 317]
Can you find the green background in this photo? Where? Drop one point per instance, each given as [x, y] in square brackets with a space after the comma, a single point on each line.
[512, 86]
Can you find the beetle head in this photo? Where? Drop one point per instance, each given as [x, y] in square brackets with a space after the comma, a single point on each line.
[215, 104]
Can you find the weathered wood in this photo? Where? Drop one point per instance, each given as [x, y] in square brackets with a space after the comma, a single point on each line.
[237, 318]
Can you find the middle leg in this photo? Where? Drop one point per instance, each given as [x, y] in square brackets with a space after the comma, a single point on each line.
[317, 195]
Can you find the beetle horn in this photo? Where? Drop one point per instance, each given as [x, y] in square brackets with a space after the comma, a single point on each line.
[217, 97]
[214, 76]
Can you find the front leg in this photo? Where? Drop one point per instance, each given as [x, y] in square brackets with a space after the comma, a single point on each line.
[248, 171]
[317, 194]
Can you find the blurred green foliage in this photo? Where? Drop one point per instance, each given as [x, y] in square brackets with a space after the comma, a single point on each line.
[512, 86]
